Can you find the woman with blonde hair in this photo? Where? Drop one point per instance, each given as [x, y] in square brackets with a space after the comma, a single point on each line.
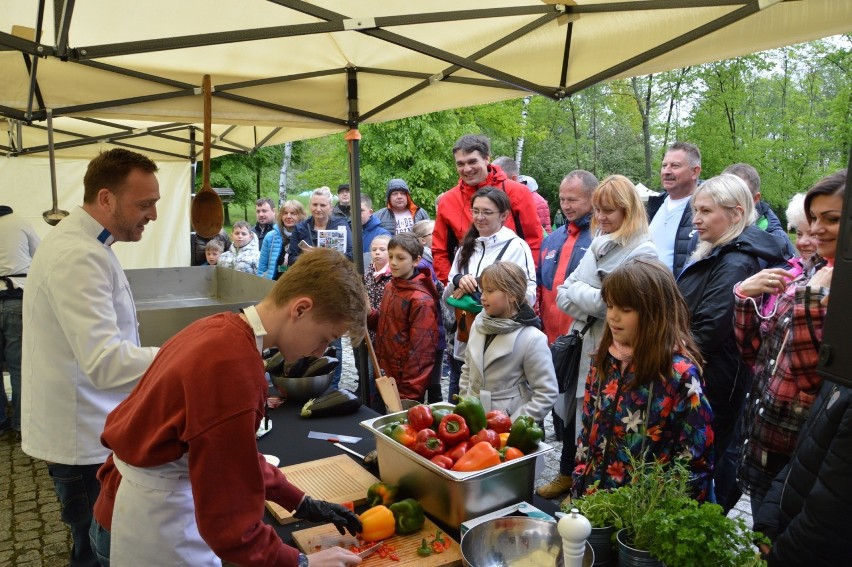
[730, 250]
[320, 219]
[273, 251]
[618, 216]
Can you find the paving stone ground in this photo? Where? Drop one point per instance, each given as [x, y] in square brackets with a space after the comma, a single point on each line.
[33, 535]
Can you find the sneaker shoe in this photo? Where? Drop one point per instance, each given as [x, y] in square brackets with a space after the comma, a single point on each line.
[556, 487]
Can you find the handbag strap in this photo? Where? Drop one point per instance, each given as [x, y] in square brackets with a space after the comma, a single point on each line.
[589, 322]
[809, 319]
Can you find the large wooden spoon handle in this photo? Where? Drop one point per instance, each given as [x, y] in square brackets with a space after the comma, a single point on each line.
[208, 119]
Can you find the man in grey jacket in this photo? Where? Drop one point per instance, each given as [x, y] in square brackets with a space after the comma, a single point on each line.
[401, 213]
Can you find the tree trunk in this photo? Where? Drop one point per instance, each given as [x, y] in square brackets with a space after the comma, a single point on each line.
[285, 169]
[519, 153]
[674, 97]
[644, 106]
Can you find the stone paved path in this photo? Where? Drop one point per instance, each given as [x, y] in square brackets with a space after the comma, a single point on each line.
[33, 535]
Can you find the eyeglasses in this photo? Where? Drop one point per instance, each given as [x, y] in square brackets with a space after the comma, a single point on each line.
[482, 213]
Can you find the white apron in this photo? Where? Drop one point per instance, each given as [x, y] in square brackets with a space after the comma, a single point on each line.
[153, 521]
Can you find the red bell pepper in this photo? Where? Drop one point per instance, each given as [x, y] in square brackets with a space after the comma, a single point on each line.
[499, 421]
[404, 434]
[457, 452]
[487, 435]
[453, 430]
[481, 456]
[420, 417]
[427, 444]
[442, 461]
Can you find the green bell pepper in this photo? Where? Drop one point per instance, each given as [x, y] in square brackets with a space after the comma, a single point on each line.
[471, 410]
[525, 434]
[408, 515]
[381, 493]
[437, 416]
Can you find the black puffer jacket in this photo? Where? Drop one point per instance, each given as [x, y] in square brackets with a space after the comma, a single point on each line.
[684, 230]
[707, 285]
[806, 512]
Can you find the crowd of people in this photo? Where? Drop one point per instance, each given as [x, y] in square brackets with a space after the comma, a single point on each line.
[701, 321]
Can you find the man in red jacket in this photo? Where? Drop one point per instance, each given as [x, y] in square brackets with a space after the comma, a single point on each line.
[472, 154]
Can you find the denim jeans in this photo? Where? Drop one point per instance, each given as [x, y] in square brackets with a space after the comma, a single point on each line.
[77, 489]
[100, 540]
[10, 349]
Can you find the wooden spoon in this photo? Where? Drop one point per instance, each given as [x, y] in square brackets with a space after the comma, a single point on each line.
[206, 211]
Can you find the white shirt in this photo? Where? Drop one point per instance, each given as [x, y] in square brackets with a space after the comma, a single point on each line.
[18, 243]
[81, 353]
[663, 228]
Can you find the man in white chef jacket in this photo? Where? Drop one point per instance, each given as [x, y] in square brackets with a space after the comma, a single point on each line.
[81, 354]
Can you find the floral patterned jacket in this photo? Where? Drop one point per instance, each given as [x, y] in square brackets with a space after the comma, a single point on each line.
[667, 419]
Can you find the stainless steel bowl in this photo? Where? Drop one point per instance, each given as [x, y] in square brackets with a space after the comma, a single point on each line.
[515, 541]
[302, 388]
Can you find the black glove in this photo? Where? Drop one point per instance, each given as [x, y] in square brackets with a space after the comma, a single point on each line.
[322, 511]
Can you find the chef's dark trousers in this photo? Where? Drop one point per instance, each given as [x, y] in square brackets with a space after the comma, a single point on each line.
[77, 489]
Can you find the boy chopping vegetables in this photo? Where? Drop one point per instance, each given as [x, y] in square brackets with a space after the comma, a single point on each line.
[185, 484]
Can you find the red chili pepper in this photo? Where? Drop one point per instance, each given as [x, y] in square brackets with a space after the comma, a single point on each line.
[487, 435]
[453, 429]
[499, 421]
[420, 417]
[393, 556]
[443, 461]
[457, 452]
[427, 444]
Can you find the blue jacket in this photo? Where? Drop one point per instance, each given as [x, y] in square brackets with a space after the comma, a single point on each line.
[305, 231]
[370, 230]
[269, 251]
[551, 248]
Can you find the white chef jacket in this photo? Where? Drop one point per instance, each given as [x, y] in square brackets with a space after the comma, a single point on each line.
[81, 353]
[18, 243]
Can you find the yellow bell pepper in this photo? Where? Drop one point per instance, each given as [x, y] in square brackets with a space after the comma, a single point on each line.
[377, 523]
[503, 438]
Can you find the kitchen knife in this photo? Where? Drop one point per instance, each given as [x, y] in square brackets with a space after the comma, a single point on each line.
[333, 437]
[370, 550]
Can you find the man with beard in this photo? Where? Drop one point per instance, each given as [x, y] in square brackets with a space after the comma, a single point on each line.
[81, 353]
[669, 214]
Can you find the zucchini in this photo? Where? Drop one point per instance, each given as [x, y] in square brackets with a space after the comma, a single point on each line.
[336, 402]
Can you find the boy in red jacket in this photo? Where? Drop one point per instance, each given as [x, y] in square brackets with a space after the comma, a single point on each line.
[406, 323]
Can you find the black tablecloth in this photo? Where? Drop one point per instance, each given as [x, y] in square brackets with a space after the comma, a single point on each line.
[288, 440]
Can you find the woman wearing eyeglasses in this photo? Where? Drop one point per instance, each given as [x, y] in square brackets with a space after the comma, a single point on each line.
[487, 241]
[618, 216]
[783, 345]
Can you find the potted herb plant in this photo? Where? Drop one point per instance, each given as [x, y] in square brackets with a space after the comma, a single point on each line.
[604, 510]
[700, 535]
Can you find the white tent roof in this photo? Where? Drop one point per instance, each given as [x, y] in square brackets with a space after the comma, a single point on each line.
[128, 72]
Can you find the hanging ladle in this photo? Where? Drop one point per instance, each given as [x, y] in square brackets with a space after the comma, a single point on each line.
[206, 212]
[54, 215]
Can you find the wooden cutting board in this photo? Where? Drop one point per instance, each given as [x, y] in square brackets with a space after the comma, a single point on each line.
[326, 536]
[334, 479]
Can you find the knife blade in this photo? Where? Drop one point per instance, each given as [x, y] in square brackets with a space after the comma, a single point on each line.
[370, 550]
[333, 437]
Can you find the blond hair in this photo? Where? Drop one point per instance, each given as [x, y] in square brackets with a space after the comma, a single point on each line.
[731, 193]
[618, 191]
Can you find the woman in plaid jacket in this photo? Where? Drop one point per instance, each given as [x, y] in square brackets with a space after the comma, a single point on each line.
[783, 346]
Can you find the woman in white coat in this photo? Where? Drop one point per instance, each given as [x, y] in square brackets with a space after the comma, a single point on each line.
[486, 242]
[619, 217]
[507, 363]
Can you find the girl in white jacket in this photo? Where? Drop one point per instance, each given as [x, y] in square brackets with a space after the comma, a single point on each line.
[507, 362]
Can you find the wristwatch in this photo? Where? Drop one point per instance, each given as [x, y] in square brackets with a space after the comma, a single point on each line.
[303, 560]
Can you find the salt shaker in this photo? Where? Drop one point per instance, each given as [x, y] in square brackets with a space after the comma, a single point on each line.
[574, 529]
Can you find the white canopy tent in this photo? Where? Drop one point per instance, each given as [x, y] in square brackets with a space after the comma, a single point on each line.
[127, 73]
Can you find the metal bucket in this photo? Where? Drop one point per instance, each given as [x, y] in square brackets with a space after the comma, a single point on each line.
[516, 540]
[601, 541]
[630, 557]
